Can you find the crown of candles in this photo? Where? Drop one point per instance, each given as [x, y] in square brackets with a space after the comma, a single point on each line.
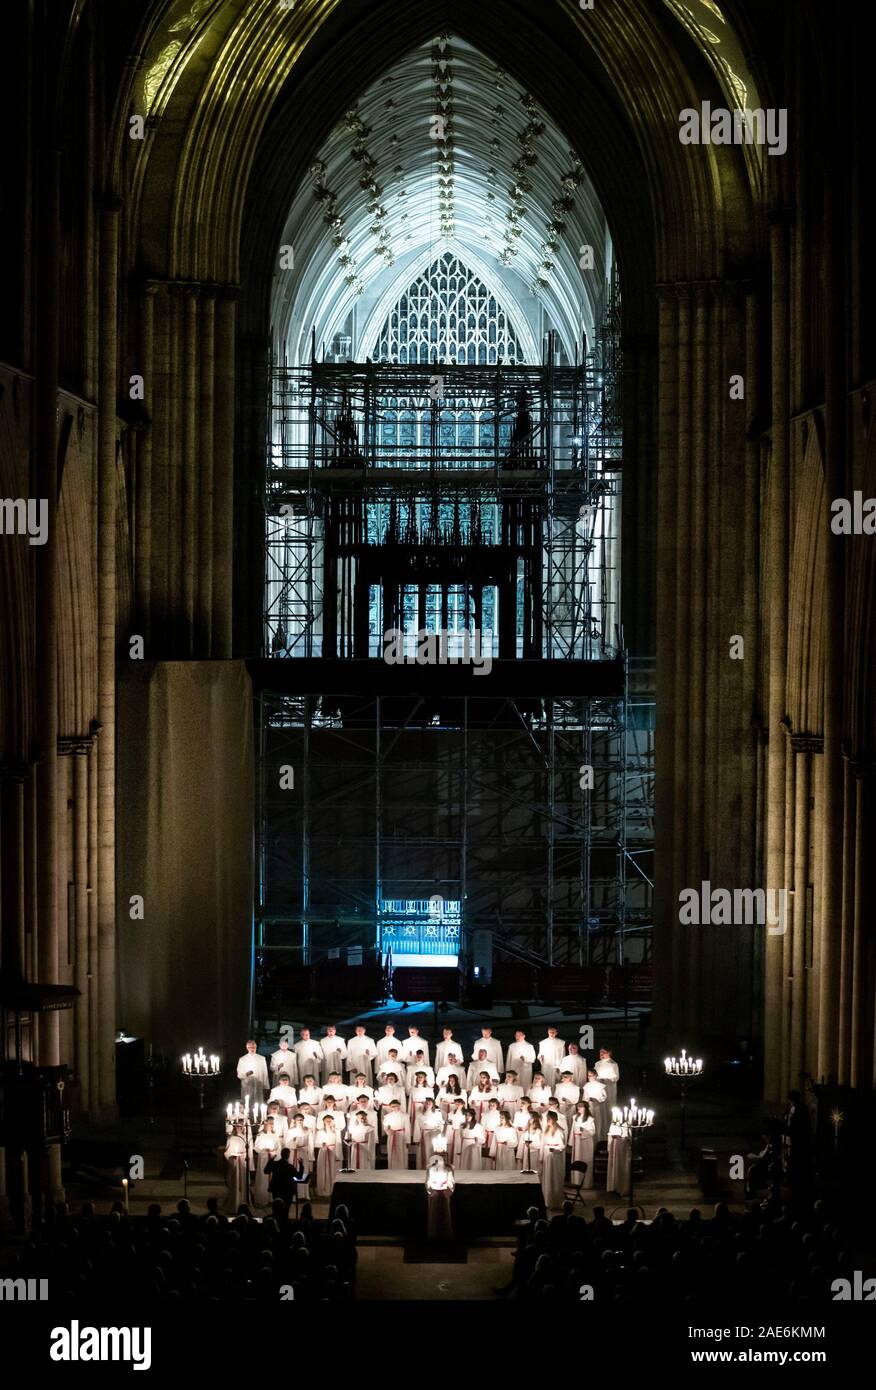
[199, 1064]
[683, 1065]
[243, 1111]
[636, 1116]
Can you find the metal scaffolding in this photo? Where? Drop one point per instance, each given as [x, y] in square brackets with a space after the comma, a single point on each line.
[414, 498]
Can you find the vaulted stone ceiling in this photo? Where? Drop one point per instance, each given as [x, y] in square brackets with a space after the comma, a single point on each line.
[445, 151]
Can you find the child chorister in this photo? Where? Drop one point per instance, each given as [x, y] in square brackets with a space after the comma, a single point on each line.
[504, 1145]
[472, 1159]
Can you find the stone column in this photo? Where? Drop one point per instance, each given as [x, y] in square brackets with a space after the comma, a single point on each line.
[143, 544]
[204, 578]
[223, 475]
[189, 531]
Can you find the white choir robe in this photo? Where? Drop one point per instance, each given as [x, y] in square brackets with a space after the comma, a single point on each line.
[284, 1061]
[383, 1097]
[419, 1095]
[299, 1142]
[493, 1049]
[411, 1079]
[582, 1137]
[553, 1168]
[397, 1129]
[281, 1128]
[550, 1054]
[398, 1067]
[286, 1097]
[479, 1100]
[443, 1074]
[521, 1058]
[360, 1057]
[474, 1073]
[608, 1072]
[311, 1095]
[334, 1054]
[490, 1121]
[329, 1159]
[252, 1088]
[503, 1148]
[529, 1150]
[562, 1120]
[577, 1065]
[520, 1120]
[266, 1146]
[472, 1159]
[596, 1095]
[427, 1125]
[385, 1045]
[539, 1095]
[446, 1098]
[455, 1126]
[509, 1095]
[443, 1050]
[309, 1057]
[235, 1174]
[411, 1046]
[568, 1095]
[362, 1144]
[338, 1116]
[620, 1166]
[340, 1094]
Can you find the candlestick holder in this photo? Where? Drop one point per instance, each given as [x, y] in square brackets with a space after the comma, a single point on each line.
[683, 1069]
[200, 1069]
[347, 1146]
[636, 1119]
[529, 1168]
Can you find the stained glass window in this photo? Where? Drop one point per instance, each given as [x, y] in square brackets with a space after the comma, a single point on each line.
[448, 315]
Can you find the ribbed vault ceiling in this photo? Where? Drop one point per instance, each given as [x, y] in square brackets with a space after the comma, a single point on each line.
[445, 149]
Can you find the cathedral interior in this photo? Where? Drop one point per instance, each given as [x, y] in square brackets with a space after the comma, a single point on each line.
[437, 570]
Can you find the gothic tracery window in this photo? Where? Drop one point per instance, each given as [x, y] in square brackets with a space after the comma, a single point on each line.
[448, 315]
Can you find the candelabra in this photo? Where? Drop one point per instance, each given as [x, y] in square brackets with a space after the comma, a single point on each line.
[346, 1146]
[249, 1117]
[200, 1068]
[529, 1168]
[684, 1069]
[635, 1118]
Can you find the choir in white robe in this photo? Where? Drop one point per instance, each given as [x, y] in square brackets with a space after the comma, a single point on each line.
[414, 1072]
[493, 1049]
[411, 1046]
[339, 1093]
[455, 1125]
[472, 1159]
[281, 1125]
[362, 1145]
[285, 1096]
[397, 1129]
[553, 1167]
[568, 1094]
[539, 1094]
[521, 1058]
[334, 1054]
[550, 1054]
[443, 1074]
[329, 1158]
[440, 1183]
[480, 1065]
[619, 1160]
[266, 1147]
[427, 1125]
[490, 1121]
[444, 1048]
[337, 1115]
[393, 1065]
[416, 1100]
[582, 1136]
[529, 1150]
[299, 1142]
[510, 1094]
[520, 1119]
[385, 1045]
[504, 1148]
[385, 1095]
[479, 1100]
[576, 1064]
[608, 1072]
[284, 1062]
[235, 1174]
[309, 1056]
[252, 1073]
[595, 1095]
[361, 1052]
[446, 1098]
[310, 1095]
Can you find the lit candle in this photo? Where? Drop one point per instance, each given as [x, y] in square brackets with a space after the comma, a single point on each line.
[125, 1191]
